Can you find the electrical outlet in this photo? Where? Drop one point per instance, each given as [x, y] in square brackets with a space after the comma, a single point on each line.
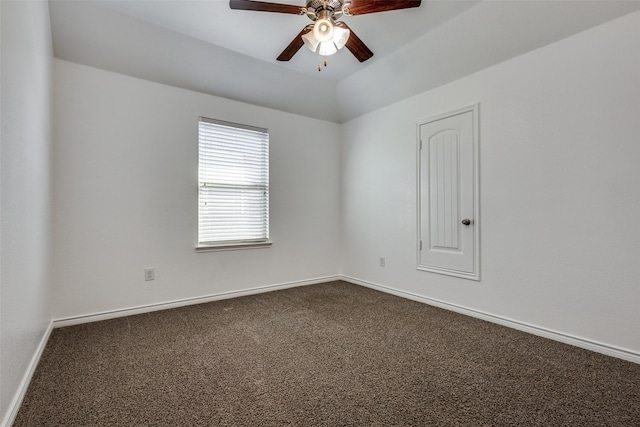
[149, 274]
[382, 261]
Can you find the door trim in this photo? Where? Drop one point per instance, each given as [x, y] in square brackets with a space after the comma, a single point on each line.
[474, 109]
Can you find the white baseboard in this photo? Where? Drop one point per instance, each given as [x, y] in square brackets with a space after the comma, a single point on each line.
[14, 407]
[94, 317]
[514, 324]
[510, 323]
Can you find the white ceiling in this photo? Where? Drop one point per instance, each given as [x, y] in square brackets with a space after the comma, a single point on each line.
[214, 22]
[206, 46]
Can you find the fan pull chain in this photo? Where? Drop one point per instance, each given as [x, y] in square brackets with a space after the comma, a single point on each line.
[325, 64]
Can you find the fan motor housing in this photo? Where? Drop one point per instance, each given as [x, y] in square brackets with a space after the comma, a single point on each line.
[333, 8]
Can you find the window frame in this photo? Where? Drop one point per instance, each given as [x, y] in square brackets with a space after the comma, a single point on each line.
[232, 244]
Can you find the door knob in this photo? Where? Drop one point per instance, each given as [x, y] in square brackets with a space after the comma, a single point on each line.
[466, 221]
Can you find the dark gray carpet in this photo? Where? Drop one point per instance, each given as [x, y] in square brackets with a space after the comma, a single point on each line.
[334, 354]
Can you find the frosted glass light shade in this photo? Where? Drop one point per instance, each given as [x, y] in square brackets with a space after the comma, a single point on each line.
[340, 36]
[323, 30]
[310, 41]
[327, 48]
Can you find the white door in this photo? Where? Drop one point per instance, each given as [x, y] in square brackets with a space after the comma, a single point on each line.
[448, 209]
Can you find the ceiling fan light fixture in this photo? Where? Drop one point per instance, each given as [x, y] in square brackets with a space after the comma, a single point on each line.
[328, 47]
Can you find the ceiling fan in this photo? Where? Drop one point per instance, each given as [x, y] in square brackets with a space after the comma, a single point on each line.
[327, 34]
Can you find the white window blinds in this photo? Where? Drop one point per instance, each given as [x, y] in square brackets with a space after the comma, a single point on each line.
[234, 183]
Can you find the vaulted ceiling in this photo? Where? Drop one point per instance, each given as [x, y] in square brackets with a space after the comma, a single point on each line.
[207, 47]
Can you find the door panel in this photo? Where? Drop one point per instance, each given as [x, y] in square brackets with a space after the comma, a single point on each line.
[447, 192]
[444, 191]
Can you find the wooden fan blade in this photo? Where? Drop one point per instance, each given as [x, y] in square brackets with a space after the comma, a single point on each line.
[355, 45]
[295, 45]
[360, 7]
[261, 6]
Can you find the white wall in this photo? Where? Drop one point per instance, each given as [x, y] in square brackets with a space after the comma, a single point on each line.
[125, 185]
[25, 230]
[559, 195]
[486, 33]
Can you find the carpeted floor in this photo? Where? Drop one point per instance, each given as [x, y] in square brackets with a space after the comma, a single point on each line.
[334, 354]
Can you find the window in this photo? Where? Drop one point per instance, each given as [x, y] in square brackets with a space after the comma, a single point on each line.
[233, 200]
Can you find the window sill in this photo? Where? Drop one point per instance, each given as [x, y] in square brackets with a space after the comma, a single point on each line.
[233, 246]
